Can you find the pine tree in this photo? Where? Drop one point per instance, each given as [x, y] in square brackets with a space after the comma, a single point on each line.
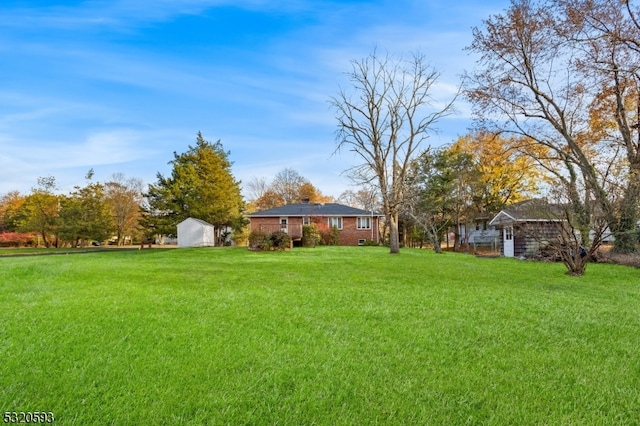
[201, 186]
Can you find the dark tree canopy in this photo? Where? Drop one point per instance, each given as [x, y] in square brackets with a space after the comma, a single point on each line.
[201, 186]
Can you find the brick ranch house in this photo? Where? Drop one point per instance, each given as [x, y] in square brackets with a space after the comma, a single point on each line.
[355, 226]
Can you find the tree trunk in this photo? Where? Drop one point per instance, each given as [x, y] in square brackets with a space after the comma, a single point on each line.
[394, 237]
[435, 239]
[626, 236]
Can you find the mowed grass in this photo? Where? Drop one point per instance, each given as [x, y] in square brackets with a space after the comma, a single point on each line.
[331, 335]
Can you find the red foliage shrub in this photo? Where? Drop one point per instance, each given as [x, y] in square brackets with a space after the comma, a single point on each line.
[16, 239]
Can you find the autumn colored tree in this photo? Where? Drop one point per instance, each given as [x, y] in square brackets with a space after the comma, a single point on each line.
[268, 200]
[608, 32]
[124, 197]
[313, 194]
[85, 215]
[10, 205]
[385, 117]
[544, 70]
[40, 210]
[288, 186]
[506, 174]
[202, 186]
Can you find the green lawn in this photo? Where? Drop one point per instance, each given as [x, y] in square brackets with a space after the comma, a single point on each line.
[331, 335]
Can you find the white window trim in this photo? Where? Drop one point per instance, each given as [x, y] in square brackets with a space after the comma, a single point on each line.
[338, 219]
[366, 219]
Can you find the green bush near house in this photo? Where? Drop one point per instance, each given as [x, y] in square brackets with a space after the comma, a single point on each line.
[330, 237]
[259, 240]
[325, 336]
[310, 235]
[280, 240]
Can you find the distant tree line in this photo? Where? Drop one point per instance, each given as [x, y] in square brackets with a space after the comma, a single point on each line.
[91, 213]
[286, 187]
[119, 211]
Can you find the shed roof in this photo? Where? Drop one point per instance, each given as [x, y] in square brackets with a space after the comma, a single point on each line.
[313, 209]
[534, 210]
[200, 221]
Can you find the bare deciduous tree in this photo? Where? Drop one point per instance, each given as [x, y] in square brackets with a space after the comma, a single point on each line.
[384, 119]
[256, 188]
[564, 75]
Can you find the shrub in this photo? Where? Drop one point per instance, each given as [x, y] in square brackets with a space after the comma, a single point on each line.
[370, 243]
[16, 239]
[259, 240]
[280, 240]
[330, 237]
[310, 235]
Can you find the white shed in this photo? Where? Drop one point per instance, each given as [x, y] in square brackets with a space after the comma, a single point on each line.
[195, 233]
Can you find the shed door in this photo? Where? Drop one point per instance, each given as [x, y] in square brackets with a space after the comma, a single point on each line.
[284, 224]
[508, 241]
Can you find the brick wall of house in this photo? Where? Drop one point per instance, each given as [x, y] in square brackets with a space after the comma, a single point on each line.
[272, 224]
[349, 234]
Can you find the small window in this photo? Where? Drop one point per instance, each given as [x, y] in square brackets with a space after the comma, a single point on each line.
[361, 242]
[364, 222]
[306, 220]
[508, 233]
[335, 222]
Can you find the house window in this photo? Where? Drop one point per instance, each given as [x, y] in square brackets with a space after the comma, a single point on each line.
[283, 224]
[361, 242]
[364, 222]
[306, 220]
[335, 222]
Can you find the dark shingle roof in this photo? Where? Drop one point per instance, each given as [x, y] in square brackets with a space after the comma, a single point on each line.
[313, 209]
[529, 211]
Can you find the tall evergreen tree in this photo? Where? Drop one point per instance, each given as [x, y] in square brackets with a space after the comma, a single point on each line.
[201, 186]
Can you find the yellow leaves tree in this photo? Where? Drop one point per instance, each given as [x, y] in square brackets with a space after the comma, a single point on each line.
[287, 187]
[10, 205]
[506, 174]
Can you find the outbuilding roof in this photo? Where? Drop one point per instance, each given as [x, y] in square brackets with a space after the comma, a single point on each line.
[193, 219]
[313, 209]
[534, 210]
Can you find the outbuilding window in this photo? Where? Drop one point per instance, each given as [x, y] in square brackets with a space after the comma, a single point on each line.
[508, 233]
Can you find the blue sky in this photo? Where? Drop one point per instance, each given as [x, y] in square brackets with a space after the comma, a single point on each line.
[119, 85]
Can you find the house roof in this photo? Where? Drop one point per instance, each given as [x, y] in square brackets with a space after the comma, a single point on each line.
[534, 210]
[313, 209]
